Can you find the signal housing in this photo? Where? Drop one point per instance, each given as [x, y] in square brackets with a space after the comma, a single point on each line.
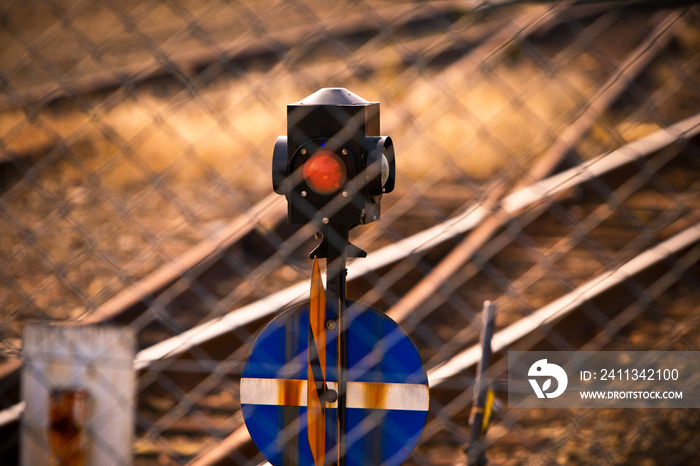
[338, 121]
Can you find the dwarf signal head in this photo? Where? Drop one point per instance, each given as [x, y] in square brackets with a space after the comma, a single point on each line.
[333, 164]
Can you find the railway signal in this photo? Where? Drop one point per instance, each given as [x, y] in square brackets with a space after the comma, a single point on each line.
[334, 382]
[333, 166]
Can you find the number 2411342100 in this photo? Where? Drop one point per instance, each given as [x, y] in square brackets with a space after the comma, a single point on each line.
[635, 374]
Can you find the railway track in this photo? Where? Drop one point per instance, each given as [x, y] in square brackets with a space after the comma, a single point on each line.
[212, 371]
[192, 405]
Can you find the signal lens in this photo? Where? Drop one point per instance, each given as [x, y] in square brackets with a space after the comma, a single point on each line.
[324, 172]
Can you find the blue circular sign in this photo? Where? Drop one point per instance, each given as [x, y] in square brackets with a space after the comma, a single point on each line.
[384, 396]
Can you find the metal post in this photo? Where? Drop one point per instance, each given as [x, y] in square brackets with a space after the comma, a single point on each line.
[475, 450]
[336, 238]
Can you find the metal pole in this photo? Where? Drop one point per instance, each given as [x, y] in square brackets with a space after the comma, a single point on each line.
[475, 450]
[336, 259]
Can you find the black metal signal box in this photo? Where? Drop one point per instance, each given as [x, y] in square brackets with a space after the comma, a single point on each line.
[333, 166]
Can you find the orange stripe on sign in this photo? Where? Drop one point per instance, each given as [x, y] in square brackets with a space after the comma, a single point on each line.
[290, 392]
[360, 395]
[317, 368]
[396, 396]
[283, 392]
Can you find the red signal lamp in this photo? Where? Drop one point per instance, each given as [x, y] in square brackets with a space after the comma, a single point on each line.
[324, 172]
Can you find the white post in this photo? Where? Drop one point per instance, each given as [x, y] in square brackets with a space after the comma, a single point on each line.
[78, 385]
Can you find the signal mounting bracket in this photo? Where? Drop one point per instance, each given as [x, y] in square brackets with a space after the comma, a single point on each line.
[321, 251]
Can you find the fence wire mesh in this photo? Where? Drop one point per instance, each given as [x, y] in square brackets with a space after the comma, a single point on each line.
[136, 142]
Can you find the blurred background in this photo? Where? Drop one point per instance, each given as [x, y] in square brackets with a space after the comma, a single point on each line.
[135, 190]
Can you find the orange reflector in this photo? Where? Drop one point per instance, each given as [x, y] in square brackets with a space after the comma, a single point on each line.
[324, 172]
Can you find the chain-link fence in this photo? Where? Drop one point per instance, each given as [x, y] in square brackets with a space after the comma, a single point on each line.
[546, 161]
